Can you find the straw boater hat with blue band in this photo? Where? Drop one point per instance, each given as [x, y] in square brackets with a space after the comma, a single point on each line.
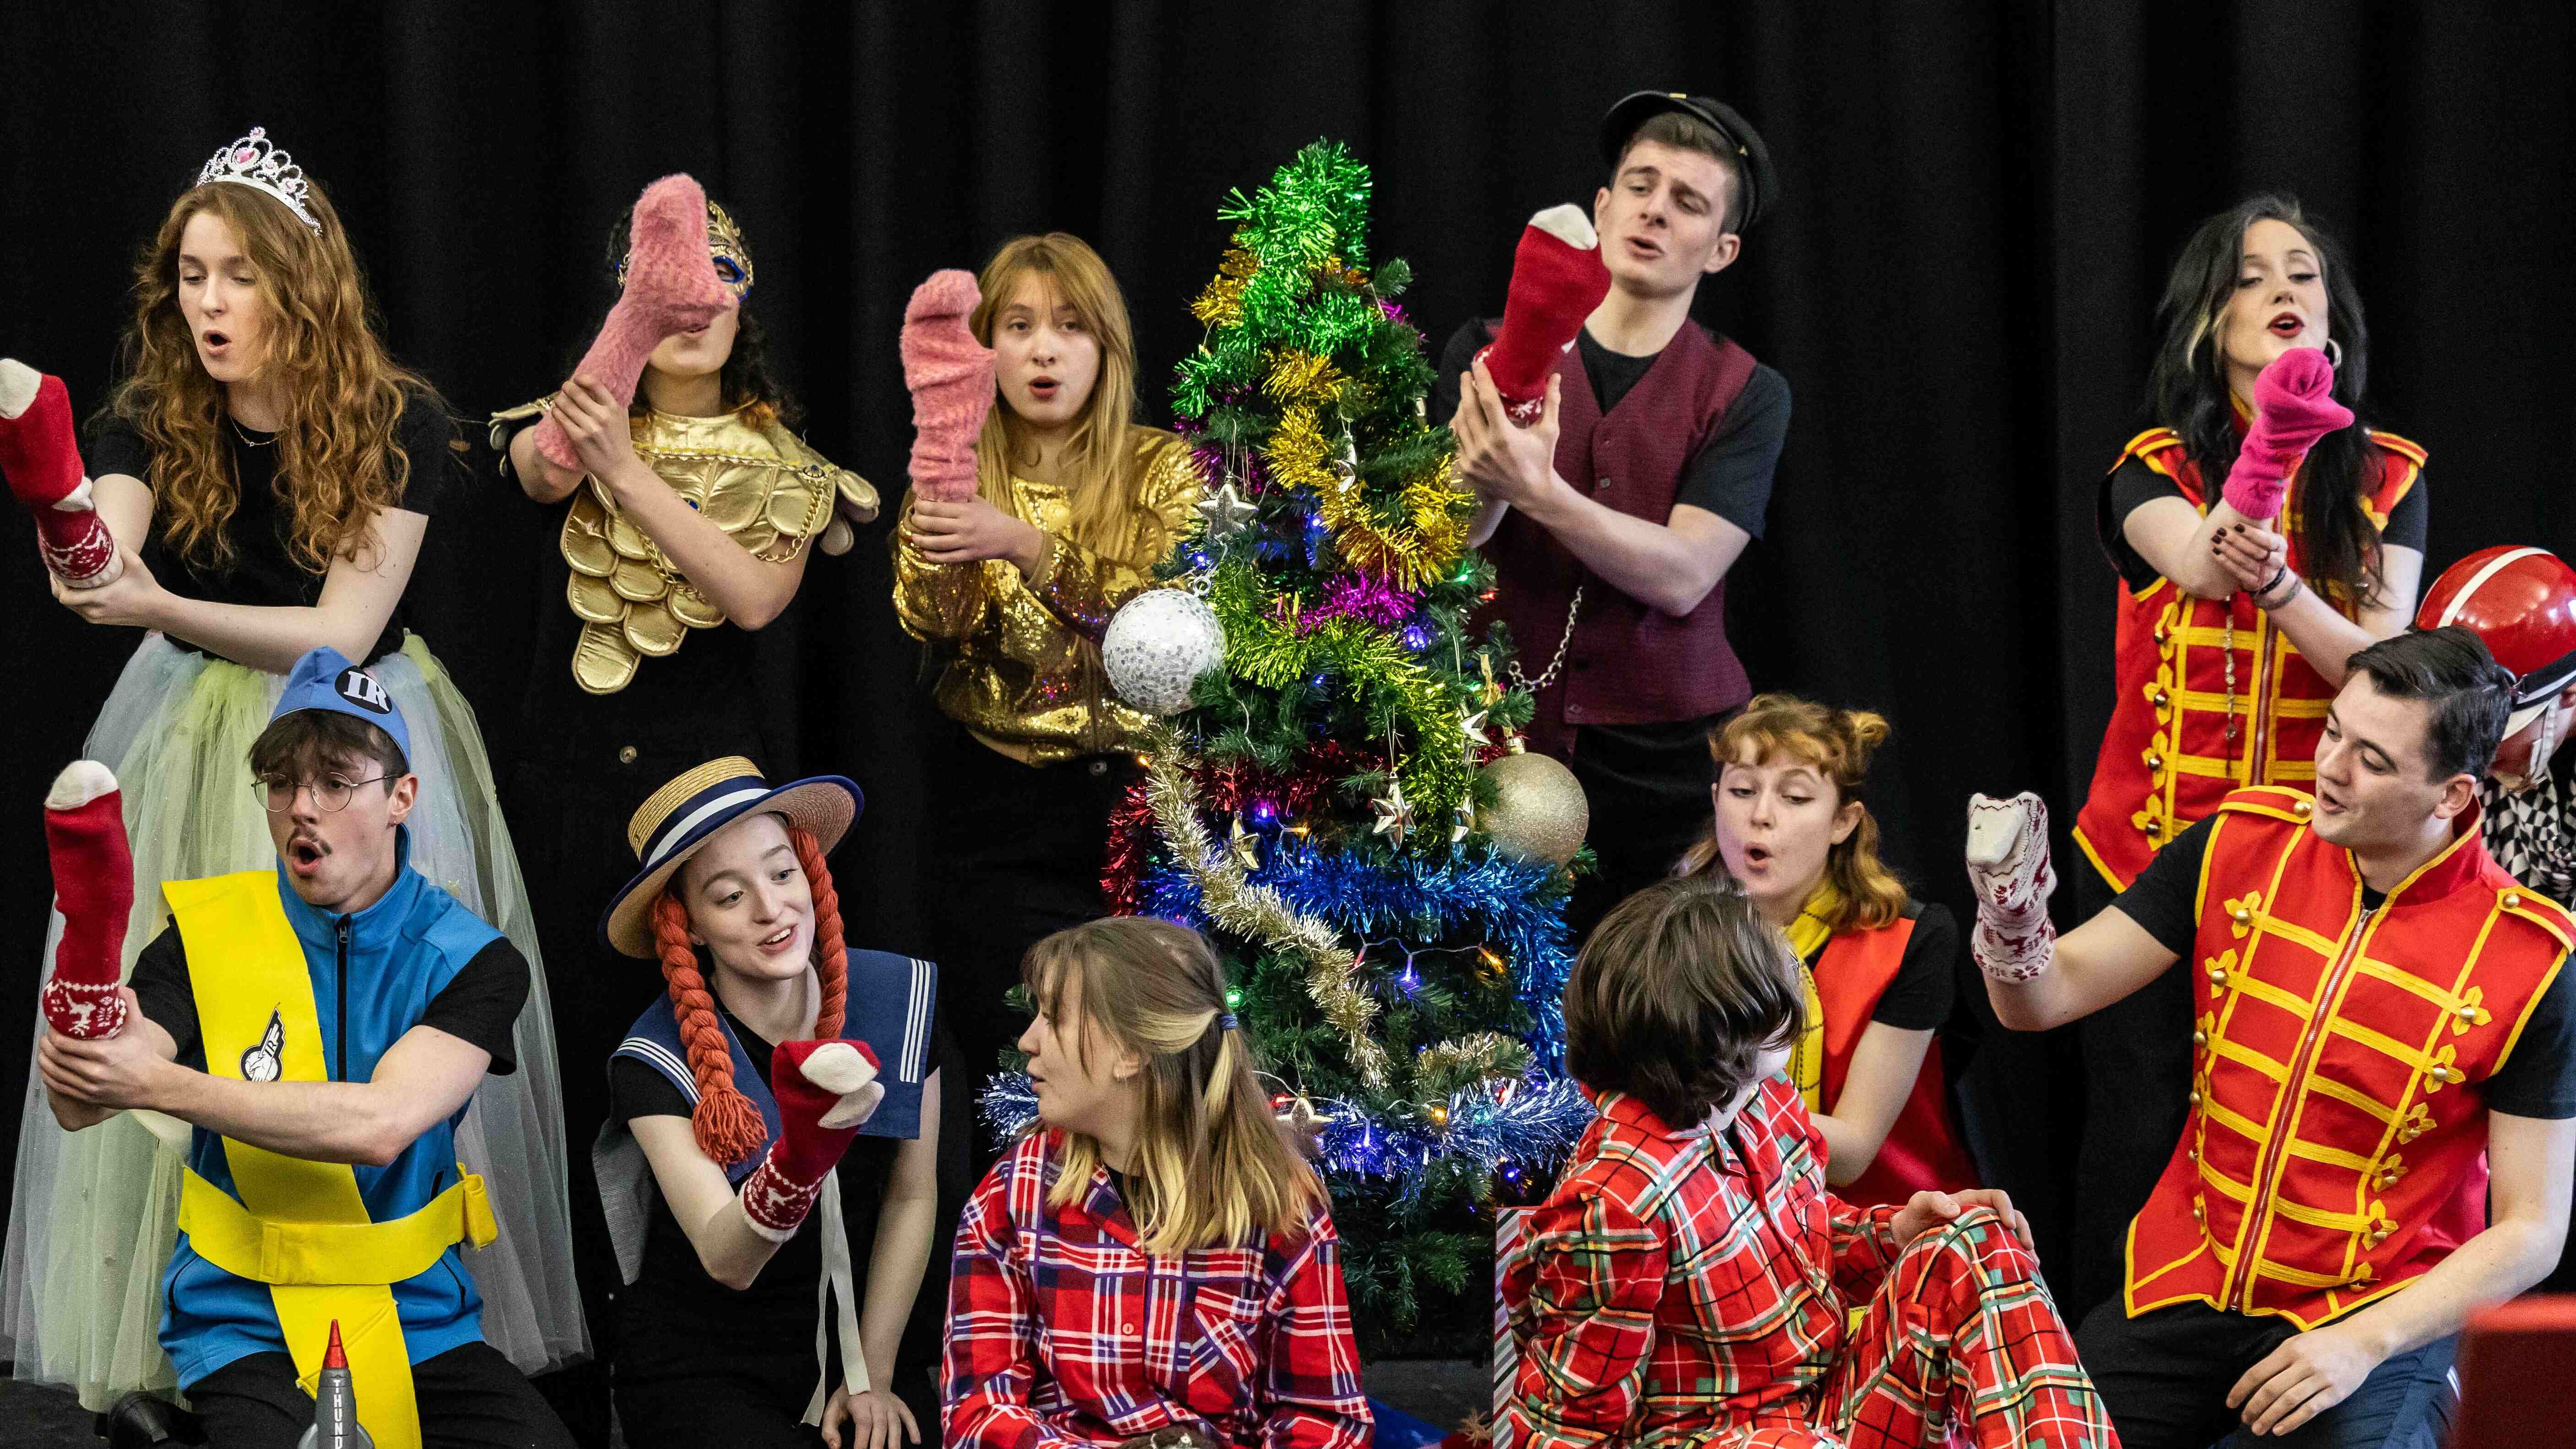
[685, 814]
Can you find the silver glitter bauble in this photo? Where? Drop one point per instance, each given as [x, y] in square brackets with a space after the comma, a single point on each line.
[1158, 644]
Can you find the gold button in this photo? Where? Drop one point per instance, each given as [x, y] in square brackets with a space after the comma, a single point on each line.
[2244, 917]
[2511, 901]
[2155, 762]
[2193, 1154]
[2303, 809]
[626, 756]
[2195, 1099]
[2160, 700]
[2217, 977]
[2200, 1038]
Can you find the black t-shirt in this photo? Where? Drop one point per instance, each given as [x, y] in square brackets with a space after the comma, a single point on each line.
[479, 1006]
[1926, 984]
[263, 572]
[673, 1311]
[2133, 483]
[2537, 1080]
[1729, 476]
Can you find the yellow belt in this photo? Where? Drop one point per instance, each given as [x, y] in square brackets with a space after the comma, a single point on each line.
[327, 1255]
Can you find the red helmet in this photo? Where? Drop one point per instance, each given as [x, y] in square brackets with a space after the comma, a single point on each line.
[2522, 602]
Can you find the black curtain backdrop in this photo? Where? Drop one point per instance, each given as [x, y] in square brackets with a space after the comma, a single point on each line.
[1981, 201]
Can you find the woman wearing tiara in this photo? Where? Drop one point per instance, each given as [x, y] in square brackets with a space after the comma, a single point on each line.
[267, 472]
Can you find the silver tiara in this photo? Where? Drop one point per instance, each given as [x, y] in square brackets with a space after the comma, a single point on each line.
[254, 162]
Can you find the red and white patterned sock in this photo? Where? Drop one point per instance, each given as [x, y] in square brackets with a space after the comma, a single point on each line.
[94, 889]
[40, 453]
[671, 287]
[1557, 280]
[825, 1091]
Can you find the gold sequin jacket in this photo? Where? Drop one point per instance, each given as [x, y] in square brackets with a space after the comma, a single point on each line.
[1019, 657]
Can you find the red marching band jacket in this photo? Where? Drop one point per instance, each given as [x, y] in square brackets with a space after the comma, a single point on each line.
[2336, 1148]
[1922, 1151]
[2169, 755]
[1627, 663]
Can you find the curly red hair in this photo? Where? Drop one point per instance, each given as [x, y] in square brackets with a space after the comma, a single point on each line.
[728, 1127]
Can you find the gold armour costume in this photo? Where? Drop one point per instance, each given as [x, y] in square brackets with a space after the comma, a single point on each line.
[746, 472]
[1021, 657]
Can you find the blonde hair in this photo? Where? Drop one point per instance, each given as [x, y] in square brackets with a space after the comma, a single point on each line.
[1837, 743]
[1104, 462]
[339, 459]
[1212, 1164]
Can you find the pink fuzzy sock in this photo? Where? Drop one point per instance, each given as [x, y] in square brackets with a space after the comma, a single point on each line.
[1557, 279]
[671, 287]
[2293, 407]
[40, 453]
[951, 377]
[94, 889]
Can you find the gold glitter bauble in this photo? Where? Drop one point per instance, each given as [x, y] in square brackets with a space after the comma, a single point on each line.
[1538, 813]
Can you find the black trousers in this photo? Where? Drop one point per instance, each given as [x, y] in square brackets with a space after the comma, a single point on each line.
[739, 1400]
[1014, 856]
[2137, 1094]
[469, 1398]
[1649, 806]
[2165, 1376]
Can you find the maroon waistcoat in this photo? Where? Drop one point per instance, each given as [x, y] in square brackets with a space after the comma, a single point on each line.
[1628, 663]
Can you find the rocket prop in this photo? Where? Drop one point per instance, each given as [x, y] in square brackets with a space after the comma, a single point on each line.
[40, 454]
[94, 889]
[335, 1404]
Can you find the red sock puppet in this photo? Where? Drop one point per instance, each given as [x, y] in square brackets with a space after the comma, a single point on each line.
[1557, 279]
[826, 1091]
[40, 453]
[951, 378]
[2293, 407]
[671, 287]
[94, 889]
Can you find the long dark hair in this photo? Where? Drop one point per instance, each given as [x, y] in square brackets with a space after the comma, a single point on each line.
[2187, 391]
[745, 378]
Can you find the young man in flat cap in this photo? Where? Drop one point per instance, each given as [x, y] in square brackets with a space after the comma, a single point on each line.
[1623, 454]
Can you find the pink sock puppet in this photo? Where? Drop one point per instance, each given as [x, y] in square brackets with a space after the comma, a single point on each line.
[671, 287]
[1557, 279]
[94, 889]
[2293, 407]
[951, 377]
[40, 453]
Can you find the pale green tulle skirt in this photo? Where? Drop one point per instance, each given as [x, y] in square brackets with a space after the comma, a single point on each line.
[93, 1214]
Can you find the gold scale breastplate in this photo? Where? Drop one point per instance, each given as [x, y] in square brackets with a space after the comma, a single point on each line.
[755, 480]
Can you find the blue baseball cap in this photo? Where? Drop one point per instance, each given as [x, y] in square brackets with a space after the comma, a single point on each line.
[325, 679]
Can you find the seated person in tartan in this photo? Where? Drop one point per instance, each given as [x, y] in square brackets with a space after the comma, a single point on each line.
[1691, 1276]
[1153, 1259]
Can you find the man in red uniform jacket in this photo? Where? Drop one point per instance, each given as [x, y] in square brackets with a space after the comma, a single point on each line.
[2383, 1099]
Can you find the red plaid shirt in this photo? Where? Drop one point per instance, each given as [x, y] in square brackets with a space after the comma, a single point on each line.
[1679, 1283]
[1061, 1331]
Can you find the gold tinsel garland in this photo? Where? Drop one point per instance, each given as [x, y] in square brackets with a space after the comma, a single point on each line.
[1256, 912]
[1413, 551]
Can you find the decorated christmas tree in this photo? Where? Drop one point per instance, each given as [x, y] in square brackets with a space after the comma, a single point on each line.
[1336, 794]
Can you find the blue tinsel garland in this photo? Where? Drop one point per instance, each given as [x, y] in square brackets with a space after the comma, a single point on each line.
[1504, 902]
[1538, 1126]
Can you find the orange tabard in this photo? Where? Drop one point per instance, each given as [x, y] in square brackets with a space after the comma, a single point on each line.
[2167, 758]
[2336, 1148]
[1922, 1151]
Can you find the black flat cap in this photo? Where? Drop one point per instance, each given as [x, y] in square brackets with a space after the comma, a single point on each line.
[1761, 183]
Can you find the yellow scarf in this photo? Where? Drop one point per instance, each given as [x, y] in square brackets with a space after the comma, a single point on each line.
[1807, 936]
